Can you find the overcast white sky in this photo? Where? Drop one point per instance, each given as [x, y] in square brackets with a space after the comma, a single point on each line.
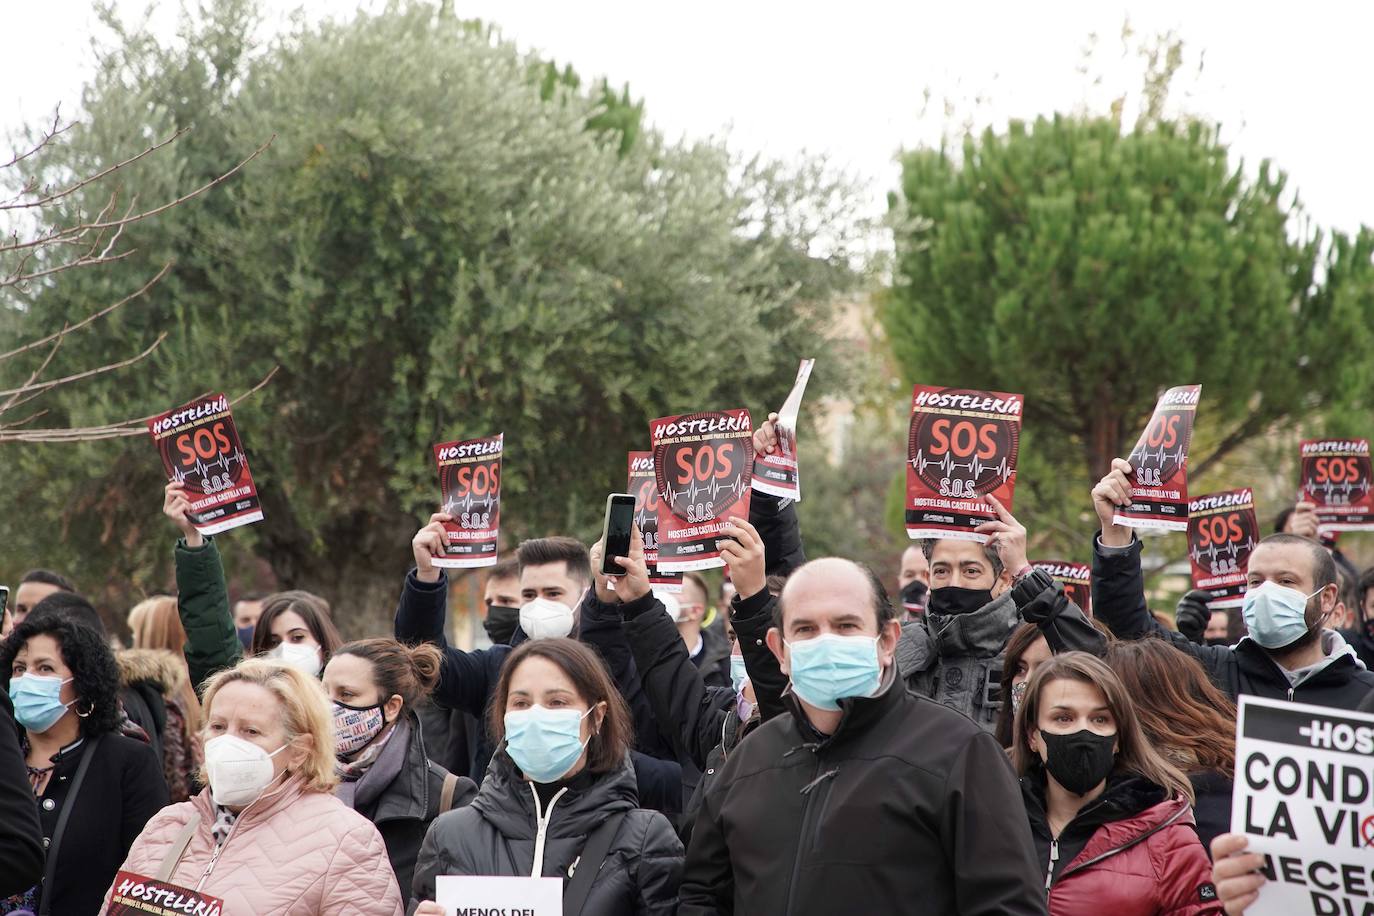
[1287, 81]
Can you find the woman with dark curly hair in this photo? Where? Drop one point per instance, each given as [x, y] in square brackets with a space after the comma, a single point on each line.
[95, 788]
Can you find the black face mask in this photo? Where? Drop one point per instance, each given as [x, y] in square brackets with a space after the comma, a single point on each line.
[915, 595]
[501, 623]
[954, 600]
[1217, 641]
[1079, 761]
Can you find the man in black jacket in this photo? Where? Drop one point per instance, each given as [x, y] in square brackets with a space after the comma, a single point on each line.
[886, 802]
[980, 593]
[1317, 667]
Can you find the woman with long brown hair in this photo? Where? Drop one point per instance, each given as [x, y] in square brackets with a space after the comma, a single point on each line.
[1187, 719]
[560, 784]
[159, 658]
[1110, 816]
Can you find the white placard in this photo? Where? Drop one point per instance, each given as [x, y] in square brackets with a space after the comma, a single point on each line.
[472, 895]
[1304, 796]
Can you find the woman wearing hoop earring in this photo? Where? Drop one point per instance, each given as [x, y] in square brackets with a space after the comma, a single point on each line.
[95, 788]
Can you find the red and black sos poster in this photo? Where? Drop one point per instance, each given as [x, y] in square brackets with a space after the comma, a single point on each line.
[1077, 579]
[1222, 531]
[776, 473]
[201, 449]
[136, 895]
[702, 465]
[1336, 476]
[962, 447]
[1159, 493]
[470, 490]
[644, 488]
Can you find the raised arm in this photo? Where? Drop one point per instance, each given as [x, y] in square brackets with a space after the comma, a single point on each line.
[212, 643]
[465, 678]
[1039, 598]
[775, 519]
[1118, 581]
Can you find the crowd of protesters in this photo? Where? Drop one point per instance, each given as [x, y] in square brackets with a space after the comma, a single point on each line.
[805, 746]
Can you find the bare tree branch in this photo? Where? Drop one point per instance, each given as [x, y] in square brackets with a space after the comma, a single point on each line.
[90, 180]
[67, 380]
[82, 229]
[34, 344]
[135, 427]
[50, 134]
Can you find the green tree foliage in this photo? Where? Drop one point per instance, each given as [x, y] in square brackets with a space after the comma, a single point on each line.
[435, 246]
[1089, 266]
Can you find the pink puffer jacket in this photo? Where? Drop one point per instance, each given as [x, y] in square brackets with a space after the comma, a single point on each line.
[291, 853]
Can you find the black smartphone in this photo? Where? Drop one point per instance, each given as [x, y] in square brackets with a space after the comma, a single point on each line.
[615, 533]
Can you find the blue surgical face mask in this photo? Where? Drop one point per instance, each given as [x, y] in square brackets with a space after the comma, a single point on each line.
[37, 701]
[738, 675]
[830, 668]
[1275, 614]
[545, 743]
[246, 636]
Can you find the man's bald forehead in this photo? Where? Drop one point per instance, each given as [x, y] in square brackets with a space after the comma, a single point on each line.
[827, 571]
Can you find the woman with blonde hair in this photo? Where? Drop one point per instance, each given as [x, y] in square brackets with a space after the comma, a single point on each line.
[267, 836]
[1111, 817]
[158, 659]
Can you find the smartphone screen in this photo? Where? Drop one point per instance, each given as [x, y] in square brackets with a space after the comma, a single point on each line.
[620, 517]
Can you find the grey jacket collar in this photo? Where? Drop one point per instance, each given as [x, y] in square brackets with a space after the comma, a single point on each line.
[981, 634]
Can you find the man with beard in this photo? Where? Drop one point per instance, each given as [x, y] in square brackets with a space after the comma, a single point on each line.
[979, 594]
[1289, 653]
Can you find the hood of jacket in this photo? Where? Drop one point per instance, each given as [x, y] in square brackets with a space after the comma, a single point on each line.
[1341, 661]
[160, 668]
[982, 633]
[507, 801]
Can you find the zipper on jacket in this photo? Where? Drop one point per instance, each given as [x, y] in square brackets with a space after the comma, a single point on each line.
[541, 825]
[1054, 857]
[214, 857]
[806, 819]
[1137, 840]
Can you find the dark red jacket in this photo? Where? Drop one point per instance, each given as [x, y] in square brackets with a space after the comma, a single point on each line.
[1131, 852]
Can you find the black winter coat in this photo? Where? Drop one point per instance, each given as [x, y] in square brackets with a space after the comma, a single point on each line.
[497, 835]
[403, 812]
[702, 720]
[467, 680]
[21, 852]
[123, 788]
[1246, 668]
[908, 807]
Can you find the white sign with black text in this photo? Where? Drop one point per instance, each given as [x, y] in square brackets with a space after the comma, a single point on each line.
[1304, 796]
[469, 895]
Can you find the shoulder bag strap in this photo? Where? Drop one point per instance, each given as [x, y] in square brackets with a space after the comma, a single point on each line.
[589, 864]
[446, 794]
[178, 848]
[50, 866]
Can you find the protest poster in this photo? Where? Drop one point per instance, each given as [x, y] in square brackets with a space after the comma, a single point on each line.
[201, 449]
[1159, 492]
[474, 895]
[1336, 476]
[470, 491]
[1076, 578]
[1304, 795]
[702, 467]
[135, 895]
[1222, 530]
[777, 473]
[644, 489]
[962, 446]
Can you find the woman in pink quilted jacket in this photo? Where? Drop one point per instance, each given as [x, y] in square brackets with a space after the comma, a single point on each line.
[267, 837]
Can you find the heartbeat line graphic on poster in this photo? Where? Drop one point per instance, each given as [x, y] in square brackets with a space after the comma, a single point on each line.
[1345, 490]
[693, 492]
[641, 516]
[948, 465]
[1161, 455]
[1212, 553]
[466, 504]
[225, 463]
